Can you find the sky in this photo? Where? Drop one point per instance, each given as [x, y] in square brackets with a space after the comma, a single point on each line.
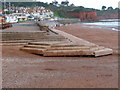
[97, 4]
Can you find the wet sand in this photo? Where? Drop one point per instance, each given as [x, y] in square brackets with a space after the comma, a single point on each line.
[24, 70]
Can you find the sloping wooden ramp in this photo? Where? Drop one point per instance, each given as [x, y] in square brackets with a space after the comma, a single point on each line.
[69, 46]
[66, 48]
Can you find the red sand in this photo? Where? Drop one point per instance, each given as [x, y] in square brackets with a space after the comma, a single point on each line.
[23, 70]
[104, 37]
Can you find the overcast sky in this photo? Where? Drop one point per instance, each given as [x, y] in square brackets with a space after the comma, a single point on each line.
[90, 3]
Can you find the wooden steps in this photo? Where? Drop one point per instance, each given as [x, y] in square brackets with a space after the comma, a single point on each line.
[14, 42]
[33, 50]
[59, 43]
[52, 42]
[26, 37]
[65, 49]
[6, 36]
[67, 52]
[101, 52]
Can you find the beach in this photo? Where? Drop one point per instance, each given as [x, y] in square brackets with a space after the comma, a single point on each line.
[102, 37]
[24, 70]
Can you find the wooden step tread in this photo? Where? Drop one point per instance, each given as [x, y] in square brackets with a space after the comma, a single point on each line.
[45, 52]
[47, 43]
[55, 48]
[48, 47]
[15, 41]
[67, 52]
[37, 46]
[33, 50]
[105, 51]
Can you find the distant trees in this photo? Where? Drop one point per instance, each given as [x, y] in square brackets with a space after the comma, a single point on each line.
[54, 2]
[72, 5]
[64, 3]
[110, 8]
[103, 7]
[81, 7]
[117, 9]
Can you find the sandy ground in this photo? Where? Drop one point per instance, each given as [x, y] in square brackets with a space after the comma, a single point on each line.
[104, 37]
[24, 70]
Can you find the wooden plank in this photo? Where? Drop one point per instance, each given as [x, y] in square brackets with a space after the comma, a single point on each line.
[66, 45]
[102, 52]
[67, 52]
[38, 46]
[47, 43]
[33, 50]
[96, 48]
[56, 48]
[15, 41]
[68, 48]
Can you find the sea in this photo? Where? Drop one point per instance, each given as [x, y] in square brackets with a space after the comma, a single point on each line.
[113, 24]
